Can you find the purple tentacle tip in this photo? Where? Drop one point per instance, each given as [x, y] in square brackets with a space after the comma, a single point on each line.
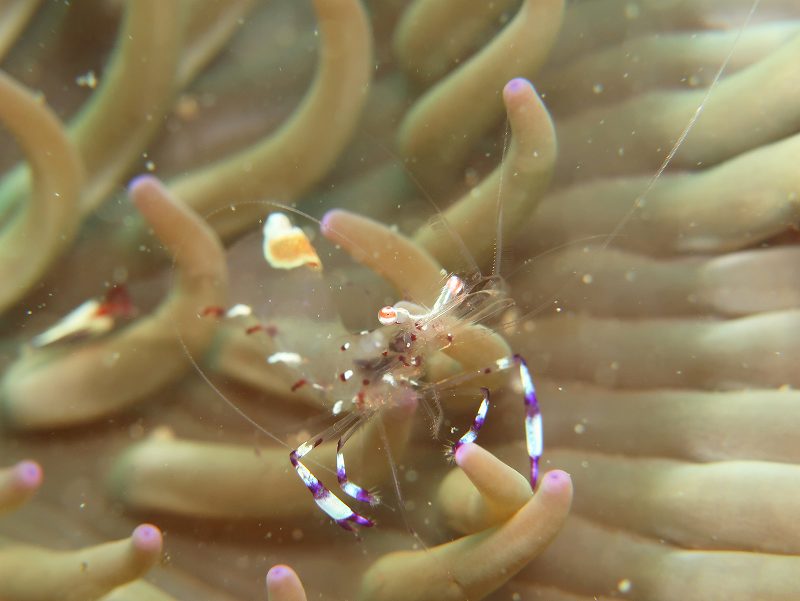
[517, 84]
[279, 572]
[147, 538]
[29, 474]
[141, 180]
[325, 222]
[555, 480]
[459, 450]
[283, 583]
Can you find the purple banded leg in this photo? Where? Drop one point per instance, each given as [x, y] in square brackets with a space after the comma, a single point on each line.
[332, 505]
[480, 417]
[533, 419]
[349, 488]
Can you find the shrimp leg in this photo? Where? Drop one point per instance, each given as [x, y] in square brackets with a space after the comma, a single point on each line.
[533, 419]
[480, 417]
[533, 416]
[350, 488]
[332, 505]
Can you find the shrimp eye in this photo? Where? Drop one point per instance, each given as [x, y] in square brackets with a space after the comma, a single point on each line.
[387, 316]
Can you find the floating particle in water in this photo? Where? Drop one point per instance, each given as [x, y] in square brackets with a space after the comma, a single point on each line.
[87, 80]
[187, 107]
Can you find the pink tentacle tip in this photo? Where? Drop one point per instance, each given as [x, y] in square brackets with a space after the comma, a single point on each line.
[280, 577]
[517, 85]
[556, 481]
[147, 538]
[463, 453]
[327, 224]
[28, 474]
[141, 180]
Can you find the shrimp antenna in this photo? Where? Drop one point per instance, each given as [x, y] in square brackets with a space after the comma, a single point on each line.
[498, 236]
[637, 203]
[238, 410]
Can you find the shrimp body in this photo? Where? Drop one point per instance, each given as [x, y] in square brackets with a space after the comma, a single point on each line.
[394, 365]
[386, 367]
[380, 368]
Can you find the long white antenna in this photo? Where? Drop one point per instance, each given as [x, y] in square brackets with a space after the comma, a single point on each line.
[498, 240]
[689, 126]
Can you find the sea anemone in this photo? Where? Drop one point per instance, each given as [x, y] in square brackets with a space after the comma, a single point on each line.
[649, 204]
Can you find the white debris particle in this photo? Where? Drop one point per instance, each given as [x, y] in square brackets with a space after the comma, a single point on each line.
[187, 107]
[287, 358]
[87, 80]
[239, 310]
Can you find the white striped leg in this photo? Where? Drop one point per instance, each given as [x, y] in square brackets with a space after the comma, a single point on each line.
[332, 505]
[477, 423]
[533, 419]
[350, 488]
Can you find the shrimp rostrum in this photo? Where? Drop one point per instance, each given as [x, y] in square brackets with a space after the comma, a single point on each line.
[396, 362]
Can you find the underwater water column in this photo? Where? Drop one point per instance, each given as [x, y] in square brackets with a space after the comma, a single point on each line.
[626, 169]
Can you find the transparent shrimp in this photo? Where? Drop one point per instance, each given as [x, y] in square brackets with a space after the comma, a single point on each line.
[382, 368]
[410, 334]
